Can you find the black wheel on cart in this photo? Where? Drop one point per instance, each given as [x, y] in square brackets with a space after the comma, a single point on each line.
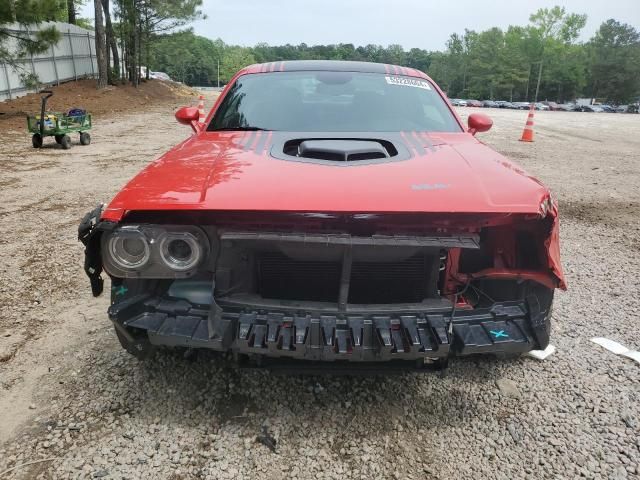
[85, 138]
[36, 140]
[59, 139]
[66, 142]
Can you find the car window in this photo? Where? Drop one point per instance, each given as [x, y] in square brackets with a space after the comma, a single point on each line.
[333, 102]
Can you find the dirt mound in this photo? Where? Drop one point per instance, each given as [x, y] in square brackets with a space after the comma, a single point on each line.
[83, 94]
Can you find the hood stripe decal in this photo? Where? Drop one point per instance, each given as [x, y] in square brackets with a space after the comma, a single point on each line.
[413, 143]
[242, 137]
[427, 139]
[262, 142]
[256, 138]
[246, 140]
[424, 143]
[418, 142]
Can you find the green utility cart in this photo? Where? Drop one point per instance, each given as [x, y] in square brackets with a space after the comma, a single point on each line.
[58, 125]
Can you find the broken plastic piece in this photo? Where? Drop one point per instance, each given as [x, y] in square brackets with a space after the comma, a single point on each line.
[616, 348]
[266, 439]
[542, 354]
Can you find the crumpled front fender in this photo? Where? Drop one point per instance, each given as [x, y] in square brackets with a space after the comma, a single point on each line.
[552, 243]
[89, 233]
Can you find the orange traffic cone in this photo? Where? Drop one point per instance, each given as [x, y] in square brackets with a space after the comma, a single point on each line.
[527, 133]
[201, 108]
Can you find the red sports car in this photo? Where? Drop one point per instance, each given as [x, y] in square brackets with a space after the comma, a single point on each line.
[329, 212]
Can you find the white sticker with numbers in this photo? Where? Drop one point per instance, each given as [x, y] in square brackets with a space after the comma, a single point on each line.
[408, 82]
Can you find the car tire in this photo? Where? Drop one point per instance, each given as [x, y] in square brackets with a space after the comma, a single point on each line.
[85, 138]
[36, 140]
[59, 139]
[65, 141]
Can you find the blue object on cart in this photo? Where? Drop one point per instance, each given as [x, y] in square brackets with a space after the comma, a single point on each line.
[77, 112]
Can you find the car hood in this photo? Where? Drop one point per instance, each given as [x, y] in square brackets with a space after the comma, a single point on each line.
[451, 172]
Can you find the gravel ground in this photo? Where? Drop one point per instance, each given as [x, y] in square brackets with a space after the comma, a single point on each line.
[71, 396]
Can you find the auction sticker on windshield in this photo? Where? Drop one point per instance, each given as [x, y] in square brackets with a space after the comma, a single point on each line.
[408, 82]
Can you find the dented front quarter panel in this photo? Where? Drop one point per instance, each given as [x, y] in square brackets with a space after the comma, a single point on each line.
[552, 244]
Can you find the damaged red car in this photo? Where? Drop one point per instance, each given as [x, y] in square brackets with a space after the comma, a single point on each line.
[329, 214]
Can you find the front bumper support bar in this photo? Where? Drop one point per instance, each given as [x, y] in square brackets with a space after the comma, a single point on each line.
[503, 328]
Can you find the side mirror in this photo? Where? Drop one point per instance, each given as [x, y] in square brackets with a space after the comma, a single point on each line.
[189, 116]
[479, 122]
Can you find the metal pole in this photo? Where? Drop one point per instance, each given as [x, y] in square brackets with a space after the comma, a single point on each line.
[93, 71]
[6, 76]
[55, 66]
[538, 85]
[73, 57]
[218, 73]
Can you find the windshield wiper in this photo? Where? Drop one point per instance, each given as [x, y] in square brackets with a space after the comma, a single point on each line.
[238, 129]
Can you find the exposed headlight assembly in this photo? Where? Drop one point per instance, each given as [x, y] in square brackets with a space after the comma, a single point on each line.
[154, 251]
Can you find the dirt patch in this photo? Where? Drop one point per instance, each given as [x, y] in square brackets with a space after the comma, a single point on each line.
[613, 213]
[83, 94]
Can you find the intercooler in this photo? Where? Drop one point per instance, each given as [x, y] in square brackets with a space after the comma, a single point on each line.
[403, 281]
[337, 268]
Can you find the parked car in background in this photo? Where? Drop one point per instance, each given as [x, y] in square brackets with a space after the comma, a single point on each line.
[522, 105]
[474, 103]
[608, 108]
[566, 107]
[541, 106]
[552, 105]
[160, 76]
[490, 104]
[633, 108]
[591, 108]
[505, 104]
[456, 102]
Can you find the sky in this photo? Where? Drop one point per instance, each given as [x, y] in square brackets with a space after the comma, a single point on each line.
[423, 24]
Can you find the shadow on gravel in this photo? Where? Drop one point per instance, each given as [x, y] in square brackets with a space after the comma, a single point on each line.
[206, 391]
[614, 212]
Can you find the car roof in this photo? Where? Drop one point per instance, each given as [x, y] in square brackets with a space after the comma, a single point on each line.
[332, 66]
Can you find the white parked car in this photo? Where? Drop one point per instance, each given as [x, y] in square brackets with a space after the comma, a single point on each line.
[160, 76]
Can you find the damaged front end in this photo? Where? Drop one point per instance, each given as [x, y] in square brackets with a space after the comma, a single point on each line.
[410, 289]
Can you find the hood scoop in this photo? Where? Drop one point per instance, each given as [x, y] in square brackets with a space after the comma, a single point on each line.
[340, 150]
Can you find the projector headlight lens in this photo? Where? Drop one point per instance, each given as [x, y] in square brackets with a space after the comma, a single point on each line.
[180, 251]
[129, 249]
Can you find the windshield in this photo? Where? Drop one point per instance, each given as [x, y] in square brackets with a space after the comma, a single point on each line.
[333, 102]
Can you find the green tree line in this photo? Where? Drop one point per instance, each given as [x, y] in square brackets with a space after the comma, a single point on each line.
[543, 57]
[129, 27]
